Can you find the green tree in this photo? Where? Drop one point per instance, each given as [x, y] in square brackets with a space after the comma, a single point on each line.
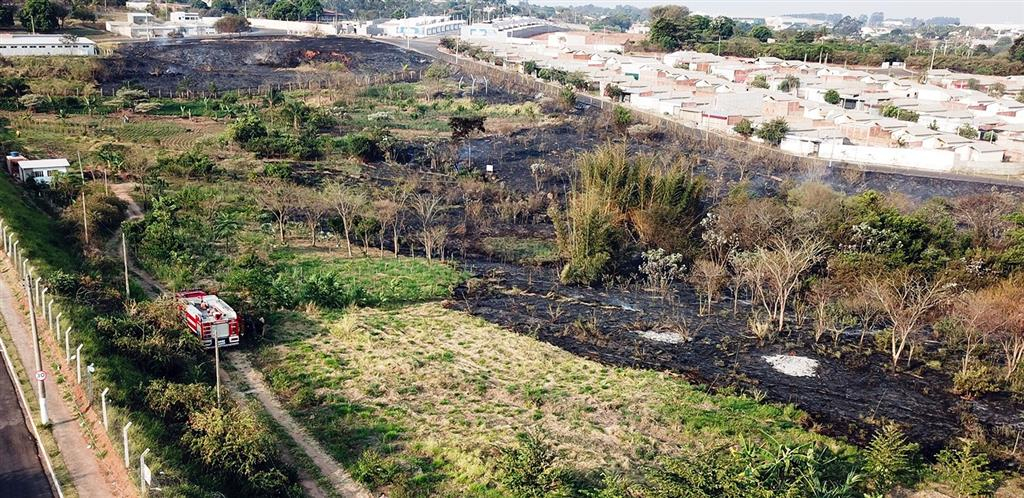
[7, 15]
[789, 84]
[744, 127]
[39, 16]
[832, 97]
[1017, 49]
[773, 131]
[759, 81]
[622, 118]
[12, 87]
[665, 33]
[762, 33]
[247, 129]
[967, 131]
[231, 24]
[567, 97]
[671, 12]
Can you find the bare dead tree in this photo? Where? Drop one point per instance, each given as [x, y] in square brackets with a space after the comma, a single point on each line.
[347, 203]
[709, 277]
[280, 198]
[316, 206]
[387, 213]
[776, 273]
[985, 215]
[428, 208]
[978, 316]
[906, 300]
[433, 239]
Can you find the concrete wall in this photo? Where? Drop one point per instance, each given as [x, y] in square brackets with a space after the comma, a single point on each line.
[297, 27]
[945, 161]
[922, 159]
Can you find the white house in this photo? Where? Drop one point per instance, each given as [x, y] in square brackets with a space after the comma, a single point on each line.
[507, 27]
[980, 151]
[416, 27]
[41, 170]
[30, 45]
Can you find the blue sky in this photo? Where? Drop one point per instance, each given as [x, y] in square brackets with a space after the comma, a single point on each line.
[969, 11]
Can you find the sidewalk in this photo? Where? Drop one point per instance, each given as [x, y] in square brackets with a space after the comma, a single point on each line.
[79, 457]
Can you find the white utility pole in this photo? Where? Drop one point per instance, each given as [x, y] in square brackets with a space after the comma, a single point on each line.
[40, 375]
[216, 362]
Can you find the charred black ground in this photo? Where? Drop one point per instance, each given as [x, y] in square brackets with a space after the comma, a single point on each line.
[248, 62]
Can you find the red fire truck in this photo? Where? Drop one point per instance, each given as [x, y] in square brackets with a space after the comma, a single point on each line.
[208, 316]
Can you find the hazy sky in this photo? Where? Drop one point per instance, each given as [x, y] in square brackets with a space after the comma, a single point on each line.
[969, 11]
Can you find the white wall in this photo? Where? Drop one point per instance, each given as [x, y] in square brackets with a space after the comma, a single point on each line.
[305, 28]
[922, 159]
[943, 161]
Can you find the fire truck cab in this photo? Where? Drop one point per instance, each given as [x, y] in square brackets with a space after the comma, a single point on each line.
[209, 317]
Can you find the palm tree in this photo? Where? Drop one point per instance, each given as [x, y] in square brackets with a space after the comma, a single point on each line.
[89, 101]
[296, 110]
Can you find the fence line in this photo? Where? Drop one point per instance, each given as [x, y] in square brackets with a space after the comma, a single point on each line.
[709, 140]
[83, 398]
[28, 415]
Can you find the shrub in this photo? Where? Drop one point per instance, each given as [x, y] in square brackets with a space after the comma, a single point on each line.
[744, 128]
[437, 70]
[773, 131]
[977, 380]
[832, 97]
[375, 469]
[965, 471]
[247, 128]
[759, 81]
[231, 24]
[242, 447]
[12, 87]
[527, 468]
[621, 118]
[662, 269]
[889, 459]
[361, 145]
[188, 164]
[175, 402]
[967, 131]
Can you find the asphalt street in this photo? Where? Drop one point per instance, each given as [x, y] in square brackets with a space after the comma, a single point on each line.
[21, 469]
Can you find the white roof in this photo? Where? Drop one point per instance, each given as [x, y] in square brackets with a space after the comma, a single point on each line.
[43, 40]
[43, 164]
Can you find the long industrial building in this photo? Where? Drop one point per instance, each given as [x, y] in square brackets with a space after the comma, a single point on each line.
[12, 45]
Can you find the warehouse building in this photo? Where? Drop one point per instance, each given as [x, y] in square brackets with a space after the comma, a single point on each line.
[12, 45]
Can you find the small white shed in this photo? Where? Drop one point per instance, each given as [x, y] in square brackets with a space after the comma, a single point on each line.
[41, 170]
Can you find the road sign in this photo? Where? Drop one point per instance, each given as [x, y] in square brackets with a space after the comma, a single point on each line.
[147, 475]
[40, 375]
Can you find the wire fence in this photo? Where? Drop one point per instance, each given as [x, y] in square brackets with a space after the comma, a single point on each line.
[104, 424]
[710, 140]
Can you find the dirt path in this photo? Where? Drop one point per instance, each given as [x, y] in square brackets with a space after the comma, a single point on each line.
[328, 466]
[342, 482]
[90, 476]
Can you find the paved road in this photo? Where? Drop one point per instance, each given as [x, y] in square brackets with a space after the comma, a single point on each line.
[22, 472]
[79, 457]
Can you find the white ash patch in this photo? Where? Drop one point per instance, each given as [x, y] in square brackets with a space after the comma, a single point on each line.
[666, 337]
[794, 366]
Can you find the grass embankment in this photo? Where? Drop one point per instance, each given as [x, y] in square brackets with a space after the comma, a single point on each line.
[420, 399]
[46, 243]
